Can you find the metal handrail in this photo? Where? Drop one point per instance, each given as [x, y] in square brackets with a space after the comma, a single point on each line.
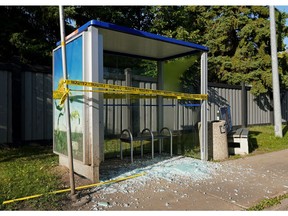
[152, 140]
[171, 139]
[131, 144]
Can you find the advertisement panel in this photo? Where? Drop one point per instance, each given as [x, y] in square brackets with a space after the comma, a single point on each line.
[74, 54]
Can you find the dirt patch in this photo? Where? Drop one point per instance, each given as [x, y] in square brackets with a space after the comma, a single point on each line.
[63, 172]
[65, 177]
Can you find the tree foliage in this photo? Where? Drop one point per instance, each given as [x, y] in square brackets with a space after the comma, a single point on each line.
[29, 32]
[138, 17]
[238, 36]
[242, 50]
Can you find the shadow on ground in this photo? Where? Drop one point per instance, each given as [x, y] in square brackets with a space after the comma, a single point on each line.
[253, 145]
[285, 129]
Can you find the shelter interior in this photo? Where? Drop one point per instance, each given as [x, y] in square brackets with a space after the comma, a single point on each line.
[101, 52]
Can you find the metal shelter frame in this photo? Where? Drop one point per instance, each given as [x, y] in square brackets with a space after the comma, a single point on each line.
[101, 37]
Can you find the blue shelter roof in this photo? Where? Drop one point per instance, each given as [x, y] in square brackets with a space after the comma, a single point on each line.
[131, 42]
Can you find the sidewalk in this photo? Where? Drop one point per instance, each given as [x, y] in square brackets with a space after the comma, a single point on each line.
[237, 185]
[267, 178]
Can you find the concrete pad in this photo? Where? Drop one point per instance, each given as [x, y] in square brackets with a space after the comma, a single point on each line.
[172, 198]
[235, 185]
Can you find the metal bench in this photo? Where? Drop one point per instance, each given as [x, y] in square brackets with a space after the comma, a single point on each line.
[238, 141]
[146, 134]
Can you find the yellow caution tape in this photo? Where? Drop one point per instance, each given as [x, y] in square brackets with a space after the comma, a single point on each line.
[77, 188]
[58, 94]
[62, 93]
[23, 198]
[134, 90]
[60, 90]
[64, 96]
[110, 95]
[125, 95]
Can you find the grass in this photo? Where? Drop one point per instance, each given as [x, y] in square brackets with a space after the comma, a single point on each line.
[185, 144]
[266, 203]
[263, 140]
[27, 171]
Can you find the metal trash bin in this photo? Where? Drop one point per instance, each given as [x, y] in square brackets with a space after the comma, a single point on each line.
[217, 140]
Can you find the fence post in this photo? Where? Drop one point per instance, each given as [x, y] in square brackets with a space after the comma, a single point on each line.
[16, 108]
[244, 104]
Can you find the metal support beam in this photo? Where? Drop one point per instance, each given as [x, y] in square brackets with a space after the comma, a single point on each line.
[160, 107]
[204, 120]
[96, 119]
[275, 76]
[128, 79]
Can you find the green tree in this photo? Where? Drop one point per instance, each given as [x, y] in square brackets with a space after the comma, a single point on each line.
[238, 38]
[30, 32]
[138, 17]
[240, 46]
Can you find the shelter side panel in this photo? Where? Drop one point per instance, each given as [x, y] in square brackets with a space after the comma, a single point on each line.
[74, 62]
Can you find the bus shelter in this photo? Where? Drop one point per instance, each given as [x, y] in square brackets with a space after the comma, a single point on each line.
[85, 49]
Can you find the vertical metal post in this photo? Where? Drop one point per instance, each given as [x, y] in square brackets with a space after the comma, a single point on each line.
[204, 122]
[244, 104]
[68, 123]
[160, 98]
[178, 115]
[128, 78]
[275, 76]
[93, 57]
[160, 108]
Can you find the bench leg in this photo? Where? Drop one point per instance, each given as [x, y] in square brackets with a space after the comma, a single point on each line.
[244, 146]
[131, 147]
[121, 153]
[171, 146]
[141, 149]
[243, 149]
[152, 148]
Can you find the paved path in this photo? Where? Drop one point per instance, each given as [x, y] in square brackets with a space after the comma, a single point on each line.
[238, 185]
[266, 176]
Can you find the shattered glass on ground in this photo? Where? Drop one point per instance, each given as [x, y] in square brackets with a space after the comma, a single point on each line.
[176, 169]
